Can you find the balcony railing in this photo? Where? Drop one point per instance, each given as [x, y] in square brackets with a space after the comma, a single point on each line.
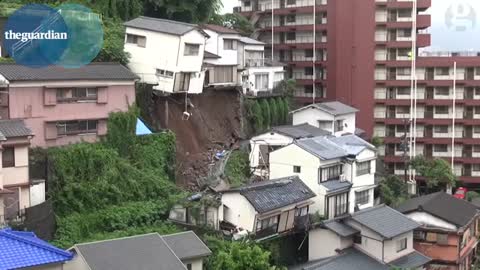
[297, 22]
[303, 76]
[261, 62]
[266, 232]
[297, 3]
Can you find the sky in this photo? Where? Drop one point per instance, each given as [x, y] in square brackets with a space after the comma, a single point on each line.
[455, 24]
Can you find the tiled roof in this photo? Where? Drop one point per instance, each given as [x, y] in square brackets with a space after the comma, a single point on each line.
[94, 71]
[411, 261]
[322, 147]
[23, 249]
[336, 185]
[352, 144]
[251, 41]
[300, 131]
[187, 245]
[273, 194]
[385, 221]
[444, 206]
[162, 25]
[219, 29]
[146, 252]
[340, 228]
[13, 129]
[210, 55]
[333, 108]
[350, 259]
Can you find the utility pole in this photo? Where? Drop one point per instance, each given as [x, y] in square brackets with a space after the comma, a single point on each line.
[406, 148]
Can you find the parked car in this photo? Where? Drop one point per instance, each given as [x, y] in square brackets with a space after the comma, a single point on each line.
[461, 193]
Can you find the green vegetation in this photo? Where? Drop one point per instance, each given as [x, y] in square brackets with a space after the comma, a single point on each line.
[234, 21]
[472, 195]
[237, 169]
[237, 256]
[125, 182]
[393, 190]
[377, 141]
[437, 172]
[264, 113]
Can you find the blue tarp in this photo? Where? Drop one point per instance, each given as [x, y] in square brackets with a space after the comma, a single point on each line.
[142, 129]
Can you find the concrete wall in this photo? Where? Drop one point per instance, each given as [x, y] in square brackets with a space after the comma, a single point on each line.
[28, 101]
[215, 45]
[323, 243]
[391, 253]
[197, 264]
[275, 75]
[239, 212]
[313, 115]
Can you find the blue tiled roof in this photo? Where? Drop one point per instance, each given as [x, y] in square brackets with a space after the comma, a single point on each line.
[24, 249]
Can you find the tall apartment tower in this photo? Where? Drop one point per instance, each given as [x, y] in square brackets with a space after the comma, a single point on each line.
[363, 51]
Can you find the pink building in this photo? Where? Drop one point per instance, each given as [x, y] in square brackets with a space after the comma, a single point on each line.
[63, 106]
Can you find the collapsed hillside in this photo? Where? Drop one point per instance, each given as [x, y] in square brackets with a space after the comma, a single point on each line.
[215, 124]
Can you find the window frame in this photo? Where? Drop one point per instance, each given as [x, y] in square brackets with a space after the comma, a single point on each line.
[8, 163]
[78, 131]
[70, 95]
[362, 197]
[435, 148]
[191, 49]
[331, 173]
[229, 44]
[297, 167]
[401, 244]
[139, 40]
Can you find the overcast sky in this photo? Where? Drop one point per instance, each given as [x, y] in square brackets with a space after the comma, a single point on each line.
[455, 24]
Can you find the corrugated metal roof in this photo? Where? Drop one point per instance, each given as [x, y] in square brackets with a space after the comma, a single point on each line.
[322, 148]
[336, 185]
[340, 228]
[385, 221]
[300, 131]
[187, 245]
[162, 25]
[411, 261]
[93, 71]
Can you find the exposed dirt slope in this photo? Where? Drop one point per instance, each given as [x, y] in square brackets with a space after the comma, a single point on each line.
[214, 125]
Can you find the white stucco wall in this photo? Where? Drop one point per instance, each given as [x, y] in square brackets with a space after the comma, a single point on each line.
[166, 52]
[215, 45]
[271, 139]
[197, 264]
[323, 243]
[239, 212]
[313, 115]
[275, 74]
[391, 253]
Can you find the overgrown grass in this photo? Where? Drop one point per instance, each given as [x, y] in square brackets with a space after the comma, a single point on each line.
[237, 169]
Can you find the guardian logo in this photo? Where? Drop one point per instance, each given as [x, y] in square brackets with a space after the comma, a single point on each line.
[461, 17]
[37, 35]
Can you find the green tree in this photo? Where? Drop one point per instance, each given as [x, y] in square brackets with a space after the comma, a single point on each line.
[266, 113]
[274, 111]
[234, 21]
[437, 172]
[112, 50]
[257, 117]
[191, 11]
[393, 190]
[286, 110]
[237, 169]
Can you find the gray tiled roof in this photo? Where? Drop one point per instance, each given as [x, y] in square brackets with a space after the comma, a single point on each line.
[13, 129]
[385, 221]
[146, 252]
[443, 206]
[94, 71]
[411, 261]
[273, 194]
[340, 228]
[162, 25]
[211, 55]
[322, 147]
[300, 131]
[336, 185]
[187, 245]
[352, 144]
[350, 259]
[251, 41]
[333, 107]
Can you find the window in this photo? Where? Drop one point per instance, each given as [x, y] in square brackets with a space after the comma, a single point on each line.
[441, 129]
[401, 244]
[341, 204]
[261, 81]
[403, 109]
[246, 3]
[419, 235]
[338, 125]
[140, 41]
[301, 212]
[182, 81]
[442, 239]
[223, 74]
[403, 91]
[268, 223]
[404, 32]
[441, 109]
[291, 2]
[229, 44]
[357, 239]
[77, 127]
[404, 13]
[191, 49]
[297, 169]
[440, 148]
[442, 91]
[309, 71]
[308, 89]
[403, 52]
[403, 71]
[291, 36]
[331, 173]
[291, 18]
[362, 197]
[66, 95]
[442, 71]
[8, 157]
[308, 53]
[164, 73]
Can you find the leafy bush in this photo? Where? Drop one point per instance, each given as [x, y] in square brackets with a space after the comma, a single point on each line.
[237, 169]
[267, 116]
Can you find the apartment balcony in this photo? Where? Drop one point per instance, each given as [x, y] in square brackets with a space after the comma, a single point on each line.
[393, 41]
[303, 61]
[423, 21]
[301, 43]
[403, 4]
[299, 7]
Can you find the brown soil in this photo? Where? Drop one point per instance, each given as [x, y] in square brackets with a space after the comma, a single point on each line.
[214, 125]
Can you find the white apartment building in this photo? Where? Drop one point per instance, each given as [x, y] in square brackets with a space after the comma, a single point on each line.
[167, 54]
